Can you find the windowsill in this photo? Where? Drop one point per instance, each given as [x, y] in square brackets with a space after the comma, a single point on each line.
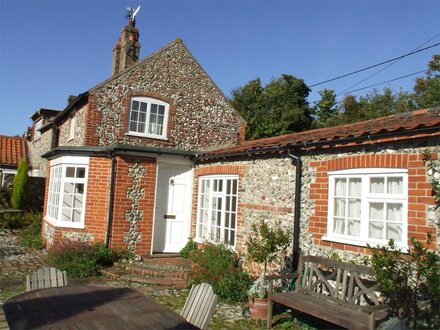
[64, 224]
[154, 137]
[403, 248]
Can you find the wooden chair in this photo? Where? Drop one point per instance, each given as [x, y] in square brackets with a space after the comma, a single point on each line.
[200, 305]
[46, 277]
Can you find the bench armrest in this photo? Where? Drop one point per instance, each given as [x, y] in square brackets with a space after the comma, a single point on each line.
[281, 276]
[270, 278]
[373, 308]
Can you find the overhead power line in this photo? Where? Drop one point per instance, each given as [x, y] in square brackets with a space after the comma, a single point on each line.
[384, 82]
[375, 65]
[386, 67]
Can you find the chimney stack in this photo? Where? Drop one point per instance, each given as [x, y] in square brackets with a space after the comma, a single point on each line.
[126, 50]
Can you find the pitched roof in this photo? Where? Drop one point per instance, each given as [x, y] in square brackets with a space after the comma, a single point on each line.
[408, 125]
[12, 150]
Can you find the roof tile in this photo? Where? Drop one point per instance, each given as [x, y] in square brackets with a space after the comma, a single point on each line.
[370, 129]
[12, 149]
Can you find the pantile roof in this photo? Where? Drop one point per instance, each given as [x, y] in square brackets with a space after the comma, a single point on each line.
[12, 150]
[408, 125]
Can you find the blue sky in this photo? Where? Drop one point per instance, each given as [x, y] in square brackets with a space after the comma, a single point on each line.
[52, 49]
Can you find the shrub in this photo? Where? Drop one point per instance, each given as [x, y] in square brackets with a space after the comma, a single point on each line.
[410, 282]
[188, 248]
[19, 188]
[81, 259]
[219, 266]
[31, 236]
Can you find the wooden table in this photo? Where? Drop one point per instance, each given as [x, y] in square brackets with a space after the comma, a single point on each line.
[89, 307]
[4, 223]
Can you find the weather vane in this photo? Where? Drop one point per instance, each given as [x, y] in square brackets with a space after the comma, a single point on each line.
[131, 13]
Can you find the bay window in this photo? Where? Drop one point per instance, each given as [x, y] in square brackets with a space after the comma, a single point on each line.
[217, 209]
[67, 191]
[368, 206]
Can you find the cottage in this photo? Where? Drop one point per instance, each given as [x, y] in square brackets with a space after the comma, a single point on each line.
[156, 154]
[122, 163]
[341, 188]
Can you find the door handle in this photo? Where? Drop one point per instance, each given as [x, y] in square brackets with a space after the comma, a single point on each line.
[169, 216]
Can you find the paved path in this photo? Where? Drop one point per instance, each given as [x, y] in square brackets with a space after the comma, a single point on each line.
[14, 257]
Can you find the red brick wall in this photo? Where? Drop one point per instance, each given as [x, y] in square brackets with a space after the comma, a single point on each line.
[419, 193]
[122, 203]
[92, 119]
[98, 187]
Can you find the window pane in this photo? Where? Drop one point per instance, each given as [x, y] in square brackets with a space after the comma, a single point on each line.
[354, 227]
[135, 105]
[340, 187]
[395, 185]
[394, 231]
[376, 211]
[339, 207]
[161, 111]
[143, 109]
[355, 187]
[68, 188]
[70, 172]
[338, 226]
[76, 216]
[153, 109]
[354, 208]
[375, 230]
[377, 185]
[80, 172]
[394, 212]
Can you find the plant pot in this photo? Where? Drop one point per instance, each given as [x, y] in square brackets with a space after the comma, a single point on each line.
[258, 308]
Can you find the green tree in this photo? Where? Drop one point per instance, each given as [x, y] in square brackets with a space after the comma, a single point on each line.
[326, 110]
[19, 188]
[278, 108]
[427, 89]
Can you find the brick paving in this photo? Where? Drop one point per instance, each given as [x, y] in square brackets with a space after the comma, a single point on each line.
[14, 257]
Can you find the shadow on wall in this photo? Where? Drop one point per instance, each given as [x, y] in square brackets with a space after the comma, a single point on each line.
[36, 189]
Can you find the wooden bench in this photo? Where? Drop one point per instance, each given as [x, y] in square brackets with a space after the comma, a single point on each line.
[338, 292]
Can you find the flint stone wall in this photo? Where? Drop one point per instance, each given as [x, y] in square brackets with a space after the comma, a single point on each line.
[203, 117]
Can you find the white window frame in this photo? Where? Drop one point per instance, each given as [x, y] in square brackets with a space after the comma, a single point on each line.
[208, 223]
[6, 171]
[366, 197]
[72, 128]
[57, 183]
[37, 132]
[144, 133]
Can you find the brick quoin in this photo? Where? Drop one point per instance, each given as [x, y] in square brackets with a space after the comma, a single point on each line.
[419, 197]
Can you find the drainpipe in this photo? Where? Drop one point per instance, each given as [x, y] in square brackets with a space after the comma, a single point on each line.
[110, 200]
[297, 211]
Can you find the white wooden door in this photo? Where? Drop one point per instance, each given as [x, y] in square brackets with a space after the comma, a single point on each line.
[173, 207]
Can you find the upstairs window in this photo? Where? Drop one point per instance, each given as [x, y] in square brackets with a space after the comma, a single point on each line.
[72, 127]
[368, 207]
[148, 117]
[37, 133]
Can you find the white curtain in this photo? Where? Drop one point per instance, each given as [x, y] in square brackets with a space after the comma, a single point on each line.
[395, 185]
[377, 185]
